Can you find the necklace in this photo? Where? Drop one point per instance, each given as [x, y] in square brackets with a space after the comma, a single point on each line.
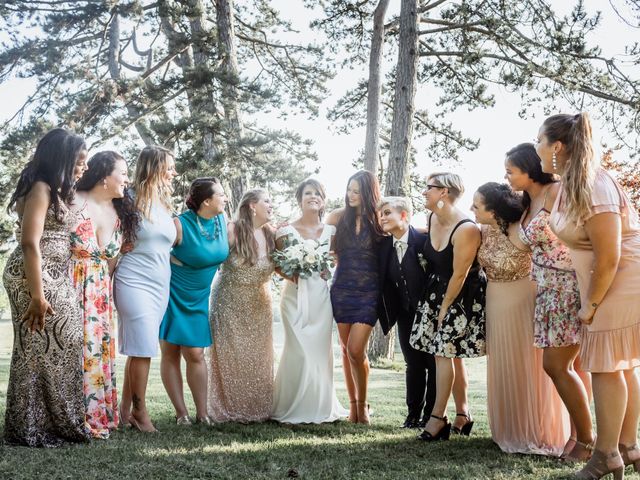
[204, 232]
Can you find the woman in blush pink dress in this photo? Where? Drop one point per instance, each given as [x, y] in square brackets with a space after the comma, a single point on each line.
[525, 412]
[596, 220]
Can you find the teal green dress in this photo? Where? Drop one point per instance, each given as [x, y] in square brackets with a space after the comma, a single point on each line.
[203, 248]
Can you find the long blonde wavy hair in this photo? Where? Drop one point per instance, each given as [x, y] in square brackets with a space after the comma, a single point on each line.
[246, 245]
[149, 183]
[578, 175]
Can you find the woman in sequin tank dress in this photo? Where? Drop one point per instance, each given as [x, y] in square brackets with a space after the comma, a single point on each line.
[102, 213]
[526, 415]
[44, 392]
[354, 292]
[557, 329]
[241, 357]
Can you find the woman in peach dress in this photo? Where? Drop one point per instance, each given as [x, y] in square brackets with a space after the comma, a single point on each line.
[526, 415]
[596, 220]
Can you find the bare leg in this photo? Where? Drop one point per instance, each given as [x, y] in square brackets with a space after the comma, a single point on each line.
[558, 363]
[172, 376]
[138, 379]
[460, 389]
[197, 378]
[610, 395]
[125, 397]
[343, 333]
[629, 432]
[357, 352]
[445, 376]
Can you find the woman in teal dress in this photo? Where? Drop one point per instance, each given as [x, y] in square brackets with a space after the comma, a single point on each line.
[201, 246]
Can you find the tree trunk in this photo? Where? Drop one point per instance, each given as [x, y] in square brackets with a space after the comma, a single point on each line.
[404, 100]
[374, 89]
[381, 346]
[229, 65]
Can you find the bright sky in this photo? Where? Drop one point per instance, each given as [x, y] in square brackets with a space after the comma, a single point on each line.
[499, 128]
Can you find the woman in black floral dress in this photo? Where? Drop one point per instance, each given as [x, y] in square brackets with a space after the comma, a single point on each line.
[450, 323]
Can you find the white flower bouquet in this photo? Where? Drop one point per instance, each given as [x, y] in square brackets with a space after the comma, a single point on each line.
[303, 258]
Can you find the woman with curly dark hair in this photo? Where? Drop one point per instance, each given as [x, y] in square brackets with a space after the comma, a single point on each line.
[354, 293]
[104, 215]
[524, 409]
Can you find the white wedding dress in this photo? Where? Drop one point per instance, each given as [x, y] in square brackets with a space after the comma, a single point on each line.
[304, 391]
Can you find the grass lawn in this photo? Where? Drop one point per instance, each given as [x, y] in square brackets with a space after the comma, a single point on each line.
[271, 450]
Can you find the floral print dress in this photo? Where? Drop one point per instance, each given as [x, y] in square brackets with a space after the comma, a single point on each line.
[93, 282]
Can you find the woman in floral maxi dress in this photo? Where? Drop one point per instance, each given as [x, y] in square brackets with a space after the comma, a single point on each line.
[101, 213]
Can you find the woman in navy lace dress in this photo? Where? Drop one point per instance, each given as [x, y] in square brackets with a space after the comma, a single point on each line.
[354, 293]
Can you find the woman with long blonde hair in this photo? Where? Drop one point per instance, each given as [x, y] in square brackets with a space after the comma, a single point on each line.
[597, 221]
[142, 278]
[241, 357]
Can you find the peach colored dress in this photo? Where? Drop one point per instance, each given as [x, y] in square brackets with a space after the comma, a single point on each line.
[526, 415]
[612, 341]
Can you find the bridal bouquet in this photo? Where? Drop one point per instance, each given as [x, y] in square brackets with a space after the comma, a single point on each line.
[303, 258]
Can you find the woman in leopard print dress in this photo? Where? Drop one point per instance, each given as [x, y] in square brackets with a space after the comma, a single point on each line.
[44, 396]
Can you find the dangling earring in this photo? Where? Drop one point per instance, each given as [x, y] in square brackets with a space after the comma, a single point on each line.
[254, 213]
[554, 161]
[440, 204]
[104, 183]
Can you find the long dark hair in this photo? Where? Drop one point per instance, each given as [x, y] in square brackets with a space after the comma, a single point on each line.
[199, 191]
[503, 202]
[369, 198]
[100, 166]
[525, 158]
[53, 163]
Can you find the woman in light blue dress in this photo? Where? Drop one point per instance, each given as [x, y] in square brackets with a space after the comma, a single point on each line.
[201, 247]
[141, 286]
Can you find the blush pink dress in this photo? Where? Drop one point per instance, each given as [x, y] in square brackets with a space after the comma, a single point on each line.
[525, 412]
[612, 341]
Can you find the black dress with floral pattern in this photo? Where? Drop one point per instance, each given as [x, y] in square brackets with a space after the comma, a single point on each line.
[462, 333]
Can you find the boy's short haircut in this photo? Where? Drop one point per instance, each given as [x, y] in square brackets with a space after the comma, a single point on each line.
[400, 204]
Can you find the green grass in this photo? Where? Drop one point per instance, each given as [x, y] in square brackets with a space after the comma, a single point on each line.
[271, 450]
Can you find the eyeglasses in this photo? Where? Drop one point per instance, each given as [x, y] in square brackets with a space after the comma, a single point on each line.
[429, 187]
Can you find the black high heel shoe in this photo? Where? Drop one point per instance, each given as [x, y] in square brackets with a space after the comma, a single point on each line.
[443, 433]
[466, 428]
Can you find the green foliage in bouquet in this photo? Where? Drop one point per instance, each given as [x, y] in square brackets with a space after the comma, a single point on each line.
[303, 258]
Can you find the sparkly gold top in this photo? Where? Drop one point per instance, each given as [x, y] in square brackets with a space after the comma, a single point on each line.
[502, 260]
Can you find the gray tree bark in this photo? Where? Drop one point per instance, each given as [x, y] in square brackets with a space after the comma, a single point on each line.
[374, 89]
[404, 100]
[229, 65]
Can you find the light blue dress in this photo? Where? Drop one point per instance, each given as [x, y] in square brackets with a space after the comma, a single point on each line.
[203, 248]
[141, 285]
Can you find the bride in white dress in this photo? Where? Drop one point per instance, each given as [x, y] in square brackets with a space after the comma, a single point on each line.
[304, 391]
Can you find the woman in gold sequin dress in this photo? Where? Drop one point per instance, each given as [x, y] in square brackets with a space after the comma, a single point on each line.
[526, 415]
[241, 357]
[44, 396]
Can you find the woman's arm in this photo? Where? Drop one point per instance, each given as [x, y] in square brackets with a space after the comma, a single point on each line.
[605, 232]
[466, 242]
[333, 219]
[35, 210]
[178, 224]
[231, 234]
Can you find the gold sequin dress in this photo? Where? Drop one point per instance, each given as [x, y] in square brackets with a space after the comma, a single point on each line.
[526, 414]
[44, 396]
[241, 357]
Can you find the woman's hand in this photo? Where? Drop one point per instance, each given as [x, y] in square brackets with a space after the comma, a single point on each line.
[441, 317]
[586, 313]
[36, 313]
[325, 275]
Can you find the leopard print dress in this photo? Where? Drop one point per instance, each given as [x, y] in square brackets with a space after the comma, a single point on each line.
[44, 396]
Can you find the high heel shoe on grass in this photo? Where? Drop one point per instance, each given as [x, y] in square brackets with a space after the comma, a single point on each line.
[142, 428]
[630, 455]
[443, 433]
[581, 452]
[466, 428]
[206, 420]
[602, 464]
[184, 420]
[365, 420]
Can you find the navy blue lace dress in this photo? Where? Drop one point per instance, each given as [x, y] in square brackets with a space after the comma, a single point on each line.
[354, 293]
